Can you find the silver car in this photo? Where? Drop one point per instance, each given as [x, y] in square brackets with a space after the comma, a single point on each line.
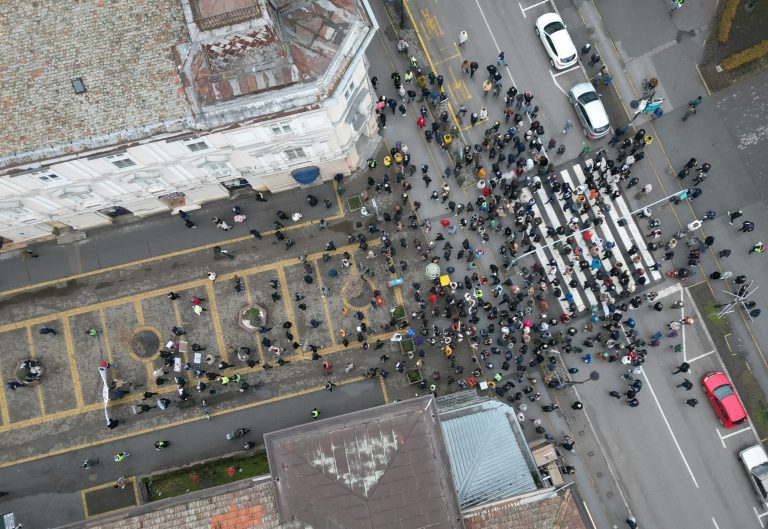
[589, 108]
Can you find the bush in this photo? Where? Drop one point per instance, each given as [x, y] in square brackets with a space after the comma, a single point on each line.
[757, 51]
[253, 315]
[726, 20]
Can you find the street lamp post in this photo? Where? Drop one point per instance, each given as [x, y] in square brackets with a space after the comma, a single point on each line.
[594, 375]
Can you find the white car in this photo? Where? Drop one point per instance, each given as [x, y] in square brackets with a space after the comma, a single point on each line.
[589, 108]
[556, 40]
[756, 463]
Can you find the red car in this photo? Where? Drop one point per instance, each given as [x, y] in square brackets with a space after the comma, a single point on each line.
[724, 399]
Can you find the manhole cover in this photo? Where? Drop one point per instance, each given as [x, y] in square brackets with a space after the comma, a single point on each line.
[145, 343]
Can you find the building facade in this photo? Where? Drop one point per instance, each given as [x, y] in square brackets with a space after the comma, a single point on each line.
[216, 97]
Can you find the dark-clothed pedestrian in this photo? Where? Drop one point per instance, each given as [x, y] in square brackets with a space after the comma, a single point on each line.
[687, 384]
[685, 367]
[691, 402]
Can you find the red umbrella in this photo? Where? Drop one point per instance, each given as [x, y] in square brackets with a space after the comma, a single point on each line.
[433, 298]
[445, 223]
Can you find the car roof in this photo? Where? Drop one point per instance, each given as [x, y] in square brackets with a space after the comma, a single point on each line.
[597, 114]
[753, 456]
[563, 43]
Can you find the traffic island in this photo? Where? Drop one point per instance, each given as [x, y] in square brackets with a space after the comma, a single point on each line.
[203, 476]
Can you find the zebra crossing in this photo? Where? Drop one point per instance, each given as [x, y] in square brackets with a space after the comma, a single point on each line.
[618, 227]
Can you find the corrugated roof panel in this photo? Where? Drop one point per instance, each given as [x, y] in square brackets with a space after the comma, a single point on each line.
[487, 461]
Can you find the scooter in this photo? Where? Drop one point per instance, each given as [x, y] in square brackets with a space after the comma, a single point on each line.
[237, 434]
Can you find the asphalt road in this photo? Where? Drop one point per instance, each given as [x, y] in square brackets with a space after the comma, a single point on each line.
[56, 481]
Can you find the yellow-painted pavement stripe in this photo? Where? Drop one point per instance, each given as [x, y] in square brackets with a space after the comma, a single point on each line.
[288, 303]
[326, 308]
[73, 370]
[188, 420]
[215, 318]
[33, 354]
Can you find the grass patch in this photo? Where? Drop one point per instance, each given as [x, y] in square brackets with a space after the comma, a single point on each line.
[206, 475]
[398, 312]
[414, 375]
[407, 346]
[710, 312]
[758, 51]
[726, 20]
[354, 203]
[754, 401]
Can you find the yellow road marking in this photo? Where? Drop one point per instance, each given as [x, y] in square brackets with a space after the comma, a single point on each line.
[288, 303]
[384, 390]
[256, 336]
[339, 202]
[134, 486]
[214, 310]
[326, 308]
[74, 372]
[4, 413]
[457, 56]
[156, 258]
[426, 53]
[139, 311]
[163, 426]
[33, 354]
[163, 291]
[431, 25]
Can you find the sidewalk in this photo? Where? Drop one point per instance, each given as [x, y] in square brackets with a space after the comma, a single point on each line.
[160, 235]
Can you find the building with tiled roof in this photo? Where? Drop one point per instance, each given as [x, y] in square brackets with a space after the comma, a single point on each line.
[135, 108]
[386, 467]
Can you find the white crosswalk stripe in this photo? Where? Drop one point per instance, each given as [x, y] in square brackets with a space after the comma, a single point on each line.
[610, 231]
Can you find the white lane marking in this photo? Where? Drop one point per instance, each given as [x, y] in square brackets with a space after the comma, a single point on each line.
[493, 38]
[682, 316]
[669, 428]
[714, 522]
[563, 71]
[697, 357]
[664, 292]
[591, 520]
[521, 9]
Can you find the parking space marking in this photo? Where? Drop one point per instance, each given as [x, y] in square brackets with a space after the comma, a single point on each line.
[431, 25]
[664, 292]
[558, 74]
[737, 432]
[288, 302]
[74, 372]
[715, 522]
[215, 318]
[457, 56]
[33, 354]
[699, 357]
[256, 335]
[524, 9]
[326, 309]
[669, 427]
[759, 516]
[83, 492]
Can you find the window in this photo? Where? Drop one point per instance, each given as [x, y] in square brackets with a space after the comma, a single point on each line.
[295, 154]
[282, 128]
[196, 144]
[349, 90]
[48, 177]
[121, 161]
[217, 169]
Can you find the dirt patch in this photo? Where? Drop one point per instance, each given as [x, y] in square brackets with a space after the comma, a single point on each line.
[748, 29]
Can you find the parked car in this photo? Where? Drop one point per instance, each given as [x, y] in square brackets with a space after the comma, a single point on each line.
[590, 110]
[557, 42]
[724, 399]
[756, 462]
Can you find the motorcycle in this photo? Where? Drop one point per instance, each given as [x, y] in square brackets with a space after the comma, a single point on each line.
[237, 434]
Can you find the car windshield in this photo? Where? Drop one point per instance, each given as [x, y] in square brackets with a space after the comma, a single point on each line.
[552, 27]
[588, 97]
[722, 392]
[598, 130]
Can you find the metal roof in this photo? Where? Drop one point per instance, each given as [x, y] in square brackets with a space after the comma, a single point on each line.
[489, 458]
[384, 467]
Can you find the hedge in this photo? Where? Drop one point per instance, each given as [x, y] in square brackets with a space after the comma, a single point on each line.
[743, 57]
[726, 21]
